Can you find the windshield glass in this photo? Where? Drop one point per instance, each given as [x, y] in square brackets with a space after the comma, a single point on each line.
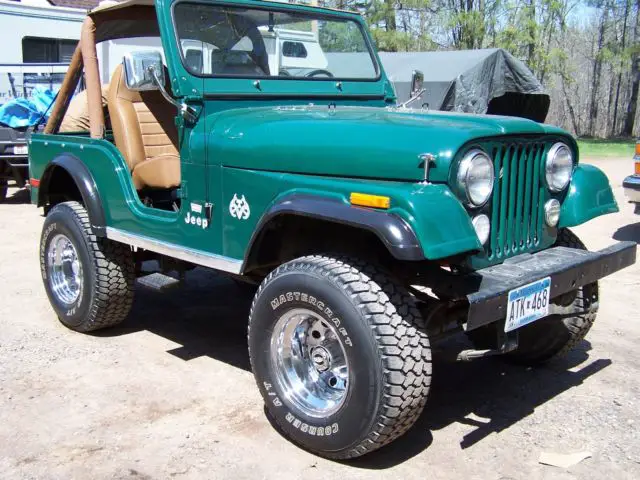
[249, 42]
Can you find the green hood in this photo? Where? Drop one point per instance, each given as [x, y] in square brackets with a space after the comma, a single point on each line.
[382, 143]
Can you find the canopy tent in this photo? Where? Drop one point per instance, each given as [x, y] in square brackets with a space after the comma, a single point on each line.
[474, 81]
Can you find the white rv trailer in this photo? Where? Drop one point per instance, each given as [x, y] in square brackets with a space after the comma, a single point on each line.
[36, 32]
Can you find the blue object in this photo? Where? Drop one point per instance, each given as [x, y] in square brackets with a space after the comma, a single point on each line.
[24, 112]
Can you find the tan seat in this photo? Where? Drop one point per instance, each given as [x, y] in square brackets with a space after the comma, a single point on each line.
[76, 118]
[145, 133]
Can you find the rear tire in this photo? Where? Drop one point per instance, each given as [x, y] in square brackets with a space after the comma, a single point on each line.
[89, 280]
[554, 336]
[317, 318]
[4, 186]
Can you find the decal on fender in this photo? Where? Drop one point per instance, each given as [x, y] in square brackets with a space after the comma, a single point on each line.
[239, 207]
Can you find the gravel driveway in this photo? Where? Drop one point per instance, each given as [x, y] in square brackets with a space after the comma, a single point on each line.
[170, 395]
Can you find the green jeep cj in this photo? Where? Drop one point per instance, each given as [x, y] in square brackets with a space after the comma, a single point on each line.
[264, 140]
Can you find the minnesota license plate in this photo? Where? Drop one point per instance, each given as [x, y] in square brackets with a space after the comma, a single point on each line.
[20, 150]
[528, 304]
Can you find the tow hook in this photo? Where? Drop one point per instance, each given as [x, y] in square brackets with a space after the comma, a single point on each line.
[508, 343]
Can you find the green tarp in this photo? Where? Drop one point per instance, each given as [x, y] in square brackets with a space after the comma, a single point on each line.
[474, 81]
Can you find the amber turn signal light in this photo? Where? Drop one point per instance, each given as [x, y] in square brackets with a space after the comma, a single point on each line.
[637, 168]
[637, 148]
[366, 200]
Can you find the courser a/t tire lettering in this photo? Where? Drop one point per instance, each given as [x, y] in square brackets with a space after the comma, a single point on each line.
[363, 315]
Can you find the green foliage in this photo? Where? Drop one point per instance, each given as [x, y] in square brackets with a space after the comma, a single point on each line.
[606, 148]
[341, 37]
[392, 41]
[588, 50]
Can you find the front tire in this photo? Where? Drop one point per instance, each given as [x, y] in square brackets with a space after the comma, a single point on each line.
[340, 355]
[89, 280]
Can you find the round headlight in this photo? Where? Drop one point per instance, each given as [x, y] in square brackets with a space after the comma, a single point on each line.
[559, 167]
[475, 177]
[552, 212]
[482, 226]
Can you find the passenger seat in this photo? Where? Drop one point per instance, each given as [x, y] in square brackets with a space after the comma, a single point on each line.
[145, 133]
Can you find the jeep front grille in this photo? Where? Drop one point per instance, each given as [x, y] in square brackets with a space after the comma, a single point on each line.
[516, 206]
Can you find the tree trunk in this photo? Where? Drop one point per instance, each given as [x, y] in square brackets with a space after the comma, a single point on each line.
[630, 119]
[614, 121]
[531, 47]
[390, 15]
[597, 71]
[572, 112]
[613, 130]
[632, 106]
[612, 82]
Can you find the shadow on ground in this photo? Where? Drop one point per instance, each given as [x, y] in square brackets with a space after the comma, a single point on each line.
[488, 395]
[629, 232]
[209, 318]
[17, 196]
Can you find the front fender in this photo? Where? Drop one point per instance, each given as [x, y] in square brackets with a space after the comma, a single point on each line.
[441, 223]
[425, 221]
[589, 196]
[392, 230]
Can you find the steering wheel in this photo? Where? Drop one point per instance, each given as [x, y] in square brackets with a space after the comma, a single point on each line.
[320, 72]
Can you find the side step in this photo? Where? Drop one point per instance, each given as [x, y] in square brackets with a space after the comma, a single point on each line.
[159, 282]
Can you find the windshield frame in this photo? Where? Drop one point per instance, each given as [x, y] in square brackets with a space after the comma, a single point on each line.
[321, 13]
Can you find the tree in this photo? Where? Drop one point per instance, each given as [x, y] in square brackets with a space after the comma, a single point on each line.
[623, 45]
[588, 59]
[597, 64]
[632, 106]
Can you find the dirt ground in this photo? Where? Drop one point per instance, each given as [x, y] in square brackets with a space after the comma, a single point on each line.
[170, 393]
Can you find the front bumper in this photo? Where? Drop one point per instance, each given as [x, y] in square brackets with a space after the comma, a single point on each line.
[569, 268]
[631, 186]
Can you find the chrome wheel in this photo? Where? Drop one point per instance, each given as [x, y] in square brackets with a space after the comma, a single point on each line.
[310, 362]
[65, 269]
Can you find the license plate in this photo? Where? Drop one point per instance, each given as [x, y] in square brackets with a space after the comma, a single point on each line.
[528, 304]
[20, 150]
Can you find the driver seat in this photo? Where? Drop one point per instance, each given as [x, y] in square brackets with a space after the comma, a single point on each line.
[145, 133]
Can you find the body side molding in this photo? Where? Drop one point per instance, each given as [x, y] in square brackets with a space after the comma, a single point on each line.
[198, 257]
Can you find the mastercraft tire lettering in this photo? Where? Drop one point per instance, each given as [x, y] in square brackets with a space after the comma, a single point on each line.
[340, 355]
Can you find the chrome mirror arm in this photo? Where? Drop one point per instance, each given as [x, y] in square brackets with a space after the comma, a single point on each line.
[416, 96]
[187, 112]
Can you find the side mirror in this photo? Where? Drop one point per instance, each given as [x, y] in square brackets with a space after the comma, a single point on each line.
[417, 88]
[417, 81]
[141, 67]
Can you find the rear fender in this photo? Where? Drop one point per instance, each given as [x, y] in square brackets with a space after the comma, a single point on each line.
[85, 183]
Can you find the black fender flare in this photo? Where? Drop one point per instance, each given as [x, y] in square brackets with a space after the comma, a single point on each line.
[393, 231]
[83, 179]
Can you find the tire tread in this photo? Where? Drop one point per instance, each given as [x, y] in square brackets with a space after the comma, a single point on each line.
[401, 338]
[114, 270]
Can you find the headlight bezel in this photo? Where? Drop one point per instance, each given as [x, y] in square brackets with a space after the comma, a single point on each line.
[462, 176]
[552, 155]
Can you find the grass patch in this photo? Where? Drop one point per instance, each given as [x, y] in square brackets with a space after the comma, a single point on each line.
[597, 148]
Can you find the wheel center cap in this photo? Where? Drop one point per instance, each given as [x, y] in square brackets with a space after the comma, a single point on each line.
[321, 359]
